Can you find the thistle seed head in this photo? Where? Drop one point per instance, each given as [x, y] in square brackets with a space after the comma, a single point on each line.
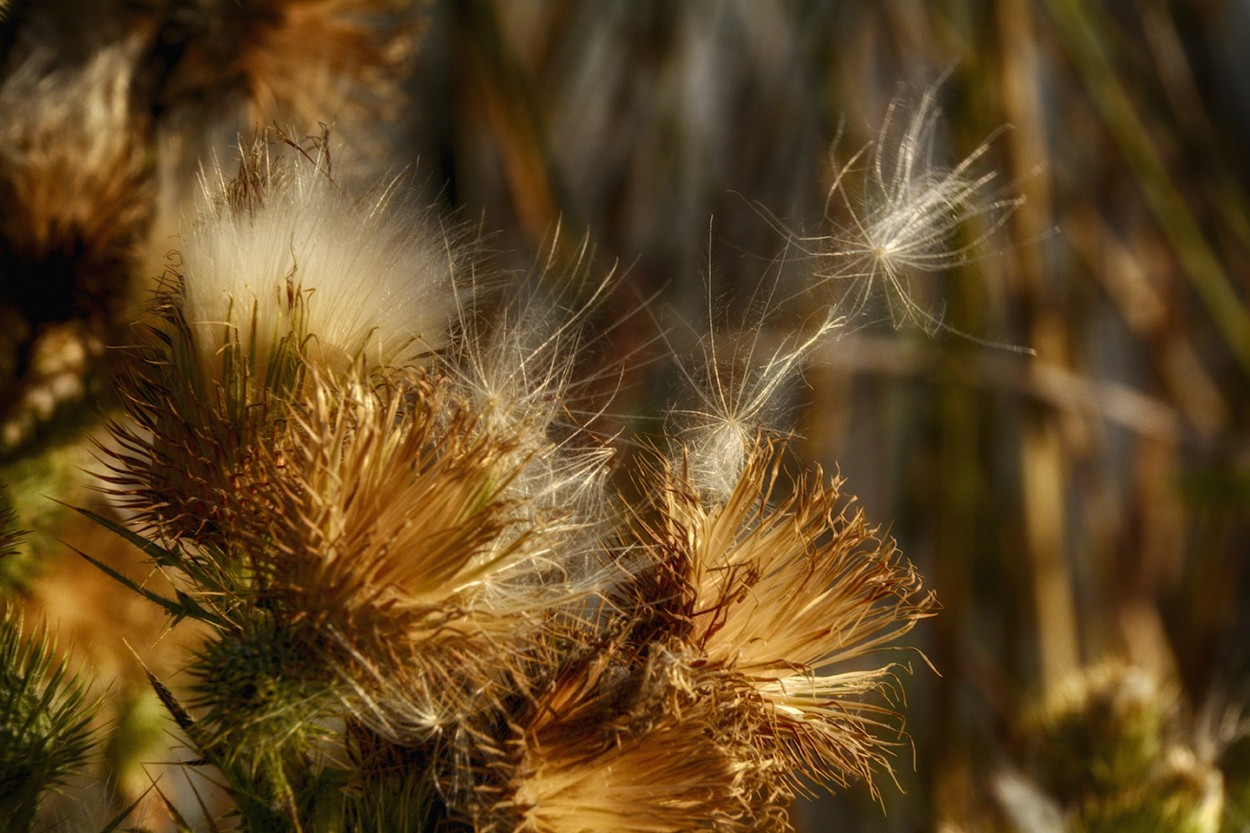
[73, 187]
[283, 251]
[616, 741]
[1114, 749]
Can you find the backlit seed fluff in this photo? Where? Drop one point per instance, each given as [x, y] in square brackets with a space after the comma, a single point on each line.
[282, 249]
[905, 218]
[738, 393]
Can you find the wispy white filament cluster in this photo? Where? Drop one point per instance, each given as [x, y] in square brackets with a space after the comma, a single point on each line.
[907, 217]
[737, 399]
[518, 370]
[374, 280]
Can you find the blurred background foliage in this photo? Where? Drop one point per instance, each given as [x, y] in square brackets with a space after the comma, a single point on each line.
[1084, 503]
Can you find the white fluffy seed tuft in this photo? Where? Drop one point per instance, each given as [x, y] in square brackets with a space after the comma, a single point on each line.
[372, 279]
[739, 395]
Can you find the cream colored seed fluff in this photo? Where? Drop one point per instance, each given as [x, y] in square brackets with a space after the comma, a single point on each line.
[376, 278]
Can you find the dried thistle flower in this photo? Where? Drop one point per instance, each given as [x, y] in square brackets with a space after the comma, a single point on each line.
[72, 180]
[285, 272]
[229, 69]
[1113, 750]
[375, 277]
[256, 57]
[787, 597]
[111, 109]
[619, 741]
[390, 507]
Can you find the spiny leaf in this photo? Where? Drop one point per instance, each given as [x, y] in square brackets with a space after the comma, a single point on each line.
[116, 821]
[174, 608]
[45, 721]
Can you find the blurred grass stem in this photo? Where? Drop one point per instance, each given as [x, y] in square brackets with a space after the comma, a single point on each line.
[1081, 33]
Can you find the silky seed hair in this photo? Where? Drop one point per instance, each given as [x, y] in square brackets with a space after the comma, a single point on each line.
[739, 386]
[375, 276]
[516, 366]
[899, 218]
[739, 377]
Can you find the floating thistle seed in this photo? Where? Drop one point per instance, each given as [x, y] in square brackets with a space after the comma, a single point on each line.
[518, 372]
[783, 595]
[907, 217]
[738, 397]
